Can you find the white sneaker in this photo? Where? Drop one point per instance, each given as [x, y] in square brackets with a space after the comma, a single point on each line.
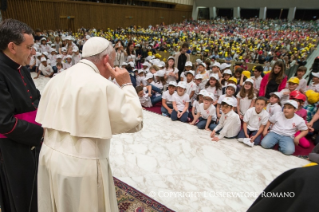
[248, 142]
[240, 139]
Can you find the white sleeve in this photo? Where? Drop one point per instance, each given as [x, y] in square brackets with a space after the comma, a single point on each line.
[247, 116]
[265, 119]
[273, 118]
[227, 126]
[187, 98]
[302, 126]
[219, 100]
[194, 87]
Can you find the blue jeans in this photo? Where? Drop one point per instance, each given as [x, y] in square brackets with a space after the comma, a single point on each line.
[164, 110]
[286, 144]
[55, 69]
[155, 99]
[183, 118]
[250, 133]
[202, 124]
[156, 89]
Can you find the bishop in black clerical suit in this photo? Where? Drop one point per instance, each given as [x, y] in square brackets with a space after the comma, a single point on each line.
[20, 135]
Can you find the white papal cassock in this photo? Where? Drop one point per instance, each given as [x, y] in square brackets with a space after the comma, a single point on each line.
[80, 111]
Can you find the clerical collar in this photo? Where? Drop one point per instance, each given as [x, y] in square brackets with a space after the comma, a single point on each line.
[89, 63]
[6, 60]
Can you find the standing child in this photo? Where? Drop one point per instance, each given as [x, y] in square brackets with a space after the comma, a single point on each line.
[255, 120]
[274, 105]
[202, 71]
[188, 67]
[230, 90]
[214, 87]
[301, 71]
[315, 82]
[140, 78]
[246, 98]
[180, 103]
[229, 124]
[190, 85]
[285, 126]
[257, 78]
[171, 70]
[226, 75]
[206, 113]
[167, 99]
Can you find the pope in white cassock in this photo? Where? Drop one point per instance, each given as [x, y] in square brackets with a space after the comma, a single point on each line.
[80, 110]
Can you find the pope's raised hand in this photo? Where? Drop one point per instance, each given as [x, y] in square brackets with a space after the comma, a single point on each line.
[121, 75]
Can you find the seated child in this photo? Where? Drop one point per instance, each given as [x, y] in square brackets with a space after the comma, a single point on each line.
[180, 103]
[246, 98]
[206, 113]
[160, 81]
[255, 120]
[167, 99]
[230, 90]
[300, 98]
[45, 69]
[197, 102]
[229, 124]
[146, 97]
[274, 104]
[285, 126]
[293, 83]
[59, 67]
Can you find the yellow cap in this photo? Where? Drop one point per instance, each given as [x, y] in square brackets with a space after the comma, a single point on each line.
[246, 74]
[233, 79]
[294, 80]
[312, 97]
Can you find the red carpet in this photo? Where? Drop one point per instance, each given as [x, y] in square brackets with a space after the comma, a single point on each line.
[156, 108]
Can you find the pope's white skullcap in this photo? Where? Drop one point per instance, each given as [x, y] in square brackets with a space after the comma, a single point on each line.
[94, 46]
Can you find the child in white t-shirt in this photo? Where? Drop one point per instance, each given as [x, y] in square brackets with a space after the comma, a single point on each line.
[171, 70]
[68, 62]
[285, 126]
[301, 71]
[199, 84]
[45, 69]
[144, 97]
[245, 97]
[188, 67]
[140, 79]
[255, 120]
[197, 102]
[257, 78]
[293, 83]
[190, 85]
[230, 90]
[206, 113]
[274, 101]
[229, 123]
[214, 87]
[167, 99]
[315, 82]
[180, 103]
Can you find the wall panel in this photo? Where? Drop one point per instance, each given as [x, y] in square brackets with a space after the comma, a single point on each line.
[45, 14]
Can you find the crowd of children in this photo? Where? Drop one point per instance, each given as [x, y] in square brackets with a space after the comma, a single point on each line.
[260, 106]
[265, 109]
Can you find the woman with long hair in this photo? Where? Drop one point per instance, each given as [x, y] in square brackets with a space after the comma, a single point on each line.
[130, 52]
[120, 54]
[274, 81]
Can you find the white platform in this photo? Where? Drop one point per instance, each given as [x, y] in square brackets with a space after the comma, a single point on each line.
[173, 157]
